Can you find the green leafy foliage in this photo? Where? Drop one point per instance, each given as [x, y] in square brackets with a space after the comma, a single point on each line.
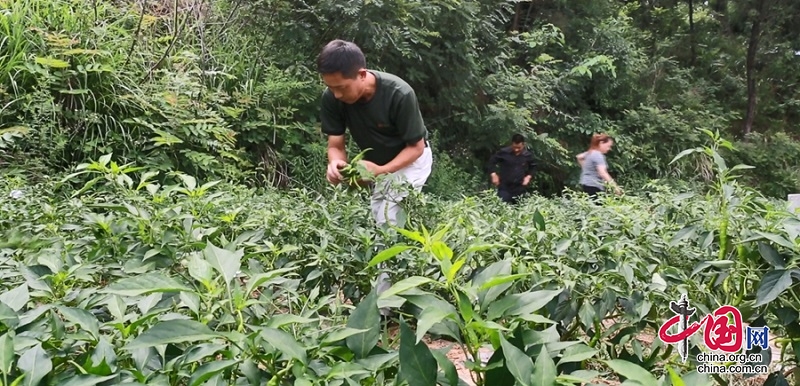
[128, 280]
[155, 262]
[228, 90]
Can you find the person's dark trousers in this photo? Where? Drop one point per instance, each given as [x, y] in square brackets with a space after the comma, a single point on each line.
[592, 191]
[510, 194]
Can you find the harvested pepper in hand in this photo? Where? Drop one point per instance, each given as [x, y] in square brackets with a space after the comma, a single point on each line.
[356, 174]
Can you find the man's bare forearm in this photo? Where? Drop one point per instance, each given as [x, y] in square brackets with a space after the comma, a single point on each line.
[336, 153]
[406, 157]
[336, 148]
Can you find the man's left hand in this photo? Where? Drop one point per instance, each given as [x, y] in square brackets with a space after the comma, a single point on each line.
[526, 180]
[373, 168]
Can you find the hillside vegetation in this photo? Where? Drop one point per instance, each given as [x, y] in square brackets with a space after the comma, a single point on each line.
[228, 89]
[165, 220]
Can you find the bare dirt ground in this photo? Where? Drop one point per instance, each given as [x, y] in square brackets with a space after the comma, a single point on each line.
[457, 356]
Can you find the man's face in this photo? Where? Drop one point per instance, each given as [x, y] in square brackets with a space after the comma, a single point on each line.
[346, 90]
[517, 147]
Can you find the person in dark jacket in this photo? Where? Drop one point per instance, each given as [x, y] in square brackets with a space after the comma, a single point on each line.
[511, 169]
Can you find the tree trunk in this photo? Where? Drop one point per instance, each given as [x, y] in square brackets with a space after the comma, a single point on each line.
[692, 53]
[721, 9]
[721, 6]
[752, 49]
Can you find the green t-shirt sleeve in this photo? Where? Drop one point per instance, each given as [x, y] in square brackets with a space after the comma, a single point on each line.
[331, 115]
[409, 119]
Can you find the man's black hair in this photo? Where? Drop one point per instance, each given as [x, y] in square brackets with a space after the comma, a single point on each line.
[517, 138]
[341, 56]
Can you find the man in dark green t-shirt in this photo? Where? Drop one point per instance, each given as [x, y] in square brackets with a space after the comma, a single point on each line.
[382, 113]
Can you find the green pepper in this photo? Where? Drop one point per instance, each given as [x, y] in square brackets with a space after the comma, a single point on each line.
[354, 173]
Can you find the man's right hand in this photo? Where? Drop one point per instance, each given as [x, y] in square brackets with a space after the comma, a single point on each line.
[495, 179]
[333, 174]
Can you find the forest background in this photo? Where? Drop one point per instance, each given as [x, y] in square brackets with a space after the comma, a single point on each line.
[228, 89]
[246, 267]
